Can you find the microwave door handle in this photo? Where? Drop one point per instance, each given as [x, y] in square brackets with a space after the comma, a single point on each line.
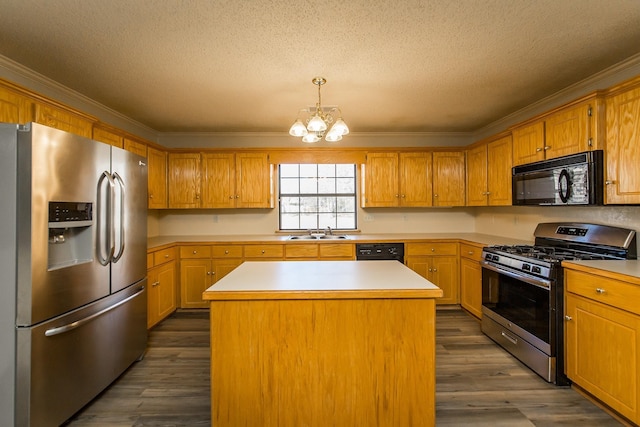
[104, 236]
[542, 283]
[119, 183]
[564, 193]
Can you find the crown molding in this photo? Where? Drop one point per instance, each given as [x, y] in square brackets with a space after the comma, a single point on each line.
[604, 79]
[44, 85]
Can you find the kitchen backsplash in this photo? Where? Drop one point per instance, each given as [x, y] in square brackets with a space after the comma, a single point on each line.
[515, 222]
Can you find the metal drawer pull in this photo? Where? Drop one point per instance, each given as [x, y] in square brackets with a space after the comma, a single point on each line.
[567, 317]
[600, 290]
[78, 323]
[510, 338]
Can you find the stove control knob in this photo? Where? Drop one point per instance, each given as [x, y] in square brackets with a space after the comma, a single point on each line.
[526, 267]
[536, 269]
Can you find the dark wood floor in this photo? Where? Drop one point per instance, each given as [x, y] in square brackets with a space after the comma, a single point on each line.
[477, 383]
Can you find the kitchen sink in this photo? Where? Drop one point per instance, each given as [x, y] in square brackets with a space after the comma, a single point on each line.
[320, 237]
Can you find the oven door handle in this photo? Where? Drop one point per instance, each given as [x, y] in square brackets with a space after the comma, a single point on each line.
[546, 284]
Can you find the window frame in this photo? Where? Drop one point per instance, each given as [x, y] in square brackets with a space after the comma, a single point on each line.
[352, 196]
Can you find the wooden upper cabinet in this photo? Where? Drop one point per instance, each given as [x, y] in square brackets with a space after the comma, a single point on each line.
[568, 130]
[63, 119]
[415, 179]
[477, 185]
[398, 179]
[499, 161]
[623, 147]
[107, 136]
[157, 178]
[528, 143]
[135, 146]
[381, 185]
[449, 178]
[14, 107]
[184, 180]
[254, 185]
[218, 180]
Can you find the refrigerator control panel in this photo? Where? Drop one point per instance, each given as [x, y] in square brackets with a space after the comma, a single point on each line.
[60, 212]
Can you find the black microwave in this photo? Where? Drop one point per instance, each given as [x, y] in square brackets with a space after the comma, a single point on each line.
[576, 179]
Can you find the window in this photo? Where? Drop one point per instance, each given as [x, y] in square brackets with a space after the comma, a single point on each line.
[317, 196]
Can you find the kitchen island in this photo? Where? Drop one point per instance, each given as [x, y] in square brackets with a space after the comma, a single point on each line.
[317, 343]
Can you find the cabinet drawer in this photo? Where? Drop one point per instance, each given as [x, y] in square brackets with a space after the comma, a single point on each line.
[226, 251]
[615, 293]
[301, 250]
[431, 249]
[195, 251]
[264, 251]
[337, 250]
[470, 251]
[165, 255]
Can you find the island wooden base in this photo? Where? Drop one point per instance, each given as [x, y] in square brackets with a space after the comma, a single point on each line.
[323, 362]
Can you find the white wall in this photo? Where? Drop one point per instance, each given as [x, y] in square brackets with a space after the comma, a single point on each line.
[265, 221]
[520, 221]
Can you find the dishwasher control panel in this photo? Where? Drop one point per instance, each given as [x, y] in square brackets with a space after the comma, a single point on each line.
[380, 251]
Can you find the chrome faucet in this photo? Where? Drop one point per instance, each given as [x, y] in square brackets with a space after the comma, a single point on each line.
[328, 232]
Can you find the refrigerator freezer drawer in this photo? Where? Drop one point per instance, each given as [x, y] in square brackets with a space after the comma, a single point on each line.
[64, 363]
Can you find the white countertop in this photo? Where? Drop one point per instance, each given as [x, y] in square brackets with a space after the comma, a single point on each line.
[322, 279]
[628, 270]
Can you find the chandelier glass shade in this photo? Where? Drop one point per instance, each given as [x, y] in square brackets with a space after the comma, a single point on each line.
[312, 123]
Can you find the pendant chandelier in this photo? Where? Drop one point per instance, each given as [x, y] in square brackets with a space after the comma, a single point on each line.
[317, 121]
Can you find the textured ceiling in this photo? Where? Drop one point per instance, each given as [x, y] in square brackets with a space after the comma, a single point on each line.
[391, 66]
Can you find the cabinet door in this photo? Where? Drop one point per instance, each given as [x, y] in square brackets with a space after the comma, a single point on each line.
[157, 178]
[161, 298]
[602, 353]
[62, 119]
[471, 286]
[623, 148]
[136, 147]
[381, 185]
[13, 107]
[218, 181]
[196, 275]
[499, 161]
[107, 136]
[477, 176]
[444, 274]
[415, 179]
[448, 178]
[222, 267]
[442, 271]
[184, 180]
[567, 131]
[254, 188]
[528, 144]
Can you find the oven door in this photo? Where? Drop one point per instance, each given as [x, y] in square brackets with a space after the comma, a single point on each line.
[520, 303]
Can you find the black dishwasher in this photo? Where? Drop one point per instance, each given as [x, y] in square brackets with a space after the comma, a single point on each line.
[379, 251]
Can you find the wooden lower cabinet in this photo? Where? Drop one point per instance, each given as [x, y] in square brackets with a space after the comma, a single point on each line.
[438, 263]
[161, 285]
[202, 266]
[319, 251]
[602, 341]
[471, 279]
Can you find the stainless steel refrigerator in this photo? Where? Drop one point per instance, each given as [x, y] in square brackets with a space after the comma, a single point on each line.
[73, 307]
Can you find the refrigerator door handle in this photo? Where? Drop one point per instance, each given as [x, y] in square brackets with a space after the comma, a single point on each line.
[73, 325]
[105, 222]
[120, 183]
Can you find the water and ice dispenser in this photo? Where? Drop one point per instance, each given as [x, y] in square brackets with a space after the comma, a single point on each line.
[70, 234]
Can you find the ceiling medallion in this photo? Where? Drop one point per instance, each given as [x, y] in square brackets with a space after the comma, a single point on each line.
[315, 122]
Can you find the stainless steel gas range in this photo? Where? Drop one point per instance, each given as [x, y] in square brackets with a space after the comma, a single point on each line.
[523, 289]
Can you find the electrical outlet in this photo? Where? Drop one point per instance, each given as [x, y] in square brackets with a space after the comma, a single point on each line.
[368, 218]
